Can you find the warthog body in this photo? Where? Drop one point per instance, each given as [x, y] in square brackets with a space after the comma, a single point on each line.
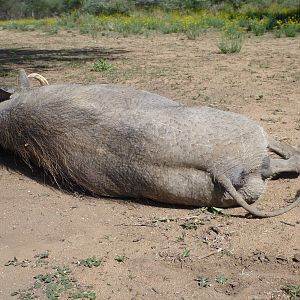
[119, 142]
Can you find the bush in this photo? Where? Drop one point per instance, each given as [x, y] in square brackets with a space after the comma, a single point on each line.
[258, 27]
[192, 32]
[88, 24]
[288, 29]
[68, 21]
[232, 38]
[215, 22]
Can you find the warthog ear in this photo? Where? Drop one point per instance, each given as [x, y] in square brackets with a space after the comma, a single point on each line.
[4, 95]
[23, 80]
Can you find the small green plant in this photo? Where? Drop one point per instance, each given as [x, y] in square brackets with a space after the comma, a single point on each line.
[102, 65]
[120, 258]
[221, 279]
[232, 38]
[90, 262]
[216, 210]
[202, 281]
[87, 294]
[293, 291]
[59, 284]
[186, 253]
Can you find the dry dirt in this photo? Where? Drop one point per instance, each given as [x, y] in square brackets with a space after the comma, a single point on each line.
[165, 249]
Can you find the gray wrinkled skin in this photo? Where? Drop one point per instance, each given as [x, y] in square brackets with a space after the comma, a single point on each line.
[120, 142]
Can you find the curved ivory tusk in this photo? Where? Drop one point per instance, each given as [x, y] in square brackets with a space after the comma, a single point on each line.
[41, 79]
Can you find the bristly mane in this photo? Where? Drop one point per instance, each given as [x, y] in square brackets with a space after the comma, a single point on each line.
[45, 139]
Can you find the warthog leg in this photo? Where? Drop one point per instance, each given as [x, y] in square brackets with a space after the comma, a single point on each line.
[279, 165]
[290, 161]
[282, 149]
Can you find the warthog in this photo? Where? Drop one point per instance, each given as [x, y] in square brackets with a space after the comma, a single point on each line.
[120, 142]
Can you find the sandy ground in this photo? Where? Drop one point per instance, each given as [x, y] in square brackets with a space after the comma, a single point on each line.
[169, 252]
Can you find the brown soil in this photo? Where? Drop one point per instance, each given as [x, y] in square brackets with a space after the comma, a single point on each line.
[165, 248]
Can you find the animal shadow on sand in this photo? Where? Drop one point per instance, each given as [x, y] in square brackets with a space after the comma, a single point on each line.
[12, 59]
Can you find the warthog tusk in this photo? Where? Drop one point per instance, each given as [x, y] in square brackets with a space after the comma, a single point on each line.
[41, 79]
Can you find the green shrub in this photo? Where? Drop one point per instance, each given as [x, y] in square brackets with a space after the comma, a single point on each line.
[288, 29]
[132, 27]
[258, 27]
[10, 25]
[30, 27]
[232, 38]
[244, 23]
[193, 31]
[173, 27]
[230, 44]
[88, 24]
[68, 21]
[215, 22]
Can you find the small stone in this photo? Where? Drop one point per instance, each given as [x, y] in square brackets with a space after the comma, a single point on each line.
[296, 258]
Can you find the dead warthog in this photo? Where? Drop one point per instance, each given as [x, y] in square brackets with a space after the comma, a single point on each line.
[119, 142]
